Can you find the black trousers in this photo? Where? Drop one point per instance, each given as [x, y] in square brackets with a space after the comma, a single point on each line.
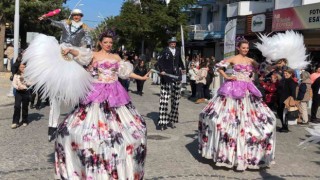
[140, 84]
[200, 91]
[206, 91]
[193, 88]
[280, 113]
[314, 106]
[21, 97]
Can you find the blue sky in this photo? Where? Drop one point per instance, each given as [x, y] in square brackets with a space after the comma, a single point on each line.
[95, 10]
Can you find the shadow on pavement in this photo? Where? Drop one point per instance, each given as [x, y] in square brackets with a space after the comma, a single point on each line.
[34, 117]
[156, 94]
[51, 158]
[265, 175]
[154, 116]
[193, 149]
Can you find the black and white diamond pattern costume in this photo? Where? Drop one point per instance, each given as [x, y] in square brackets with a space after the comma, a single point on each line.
[169, 62]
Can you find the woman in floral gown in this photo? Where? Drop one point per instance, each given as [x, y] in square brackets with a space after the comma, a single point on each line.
[236, 128]
[104, 137]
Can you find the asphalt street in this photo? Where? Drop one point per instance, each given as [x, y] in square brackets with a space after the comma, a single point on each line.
[172, 154]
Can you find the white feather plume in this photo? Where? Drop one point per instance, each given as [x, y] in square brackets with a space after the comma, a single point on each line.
[55, 77]
[288, 45]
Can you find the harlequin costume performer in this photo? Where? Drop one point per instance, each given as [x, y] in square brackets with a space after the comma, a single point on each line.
[74, 33]
[169, 62]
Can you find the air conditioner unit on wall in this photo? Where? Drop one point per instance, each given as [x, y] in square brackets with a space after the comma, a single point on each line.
[214, 8]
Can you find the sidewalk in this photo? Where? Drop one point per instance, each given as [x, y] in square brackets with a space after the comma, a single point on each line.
[172, 154]
[5, 85]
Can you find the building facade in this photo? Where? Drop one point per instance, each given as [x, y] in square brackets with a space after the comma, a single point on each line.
[208, 19]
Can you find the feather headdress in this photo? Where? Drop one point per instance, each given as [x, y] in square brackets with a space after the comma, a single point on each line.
[288, 45]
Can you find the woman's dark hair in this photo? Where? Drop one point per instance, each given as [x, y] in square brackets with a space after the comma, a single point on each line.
[140, 61]
[19, 72]
[106, 34]
[19, 58]
[203, 64]
[243, 41]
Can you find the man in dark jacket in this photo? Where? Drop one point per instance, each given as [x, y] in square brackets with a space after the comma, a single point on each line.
[315, 100]
[169, 62]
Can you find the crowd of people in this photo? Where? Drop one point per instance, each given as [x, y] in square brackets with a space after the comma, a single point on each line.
[104, 136]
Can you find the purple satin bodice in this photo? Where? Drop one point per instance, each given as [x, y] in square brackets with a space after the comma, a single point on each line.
[106, 86]
[238, 88]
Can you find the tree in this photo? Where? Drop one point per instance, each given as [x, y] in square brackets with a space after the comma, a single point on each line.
[30, 10]
[152, 23]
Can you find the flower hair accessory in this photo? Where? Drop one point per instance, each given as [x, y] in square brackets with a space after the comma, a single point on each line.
[240, 39]
[108, 33]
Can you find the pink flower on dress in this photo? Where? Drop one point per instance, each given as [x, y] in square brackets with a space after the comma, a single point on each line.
[74, 146]
[129, 149]
[219, 127]
[269, 147]
[254, 139]
[242, 132]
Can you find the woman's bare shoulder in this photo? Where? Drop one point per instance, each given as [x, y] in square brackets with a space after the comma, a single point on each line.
[117, 57]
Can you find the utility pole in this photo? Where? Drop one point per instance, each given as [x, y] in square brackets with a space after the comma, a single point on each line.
[16, 29]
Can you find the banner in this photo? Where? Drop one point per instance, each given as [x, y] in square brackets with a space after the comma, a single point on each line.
[230, 39]
[182, 47]
[297, 18]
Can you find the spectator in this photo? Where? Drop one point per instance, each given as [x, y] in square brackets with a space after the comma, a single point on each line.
[201, 81]
[316, 74]
[209, 79]
[286, 88]
[140, 70]
[10, 53]
[315, 100]
[304, 96]
[22, 97]
[125, 82]
[270, 89]
[193, 73]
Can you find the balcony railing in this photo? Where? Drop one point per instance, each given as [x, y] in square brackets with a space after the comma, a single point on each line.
[214, 30]
[244, 8]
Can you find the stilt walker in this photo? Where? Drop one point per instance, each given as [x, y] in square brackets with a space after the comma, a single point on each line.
[170, 62]
[74, 33]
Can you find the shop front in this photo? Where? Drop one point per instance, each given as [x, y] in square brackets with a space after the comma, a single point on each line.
[306, 20]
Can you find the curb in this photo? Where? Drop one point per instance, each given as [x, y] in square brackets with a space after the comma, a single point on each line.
[5, 75]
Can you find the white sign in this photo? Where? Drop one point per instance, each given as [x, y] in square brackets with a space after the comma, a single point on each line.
[258, 23]
[31, 36]
[230, 39]
[199, 36]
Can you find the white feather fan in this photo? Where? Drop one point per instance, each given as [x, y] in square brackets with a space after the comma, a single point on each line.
[55, 77]
[288, 45]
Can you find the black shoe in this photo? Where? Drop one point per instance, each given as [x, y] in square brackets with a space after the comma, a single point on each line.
[315, 120]
[51, 133]
[284, 130]
[171, 125]
[163, 127]
[38, 107]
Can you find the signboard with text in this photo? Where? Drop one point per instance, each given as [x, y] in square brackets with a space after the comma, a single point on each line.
[297, 18]
[258, 23]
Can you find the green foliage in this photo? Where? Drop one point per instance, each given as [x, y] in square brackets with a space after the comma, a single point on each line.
[152, 22]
